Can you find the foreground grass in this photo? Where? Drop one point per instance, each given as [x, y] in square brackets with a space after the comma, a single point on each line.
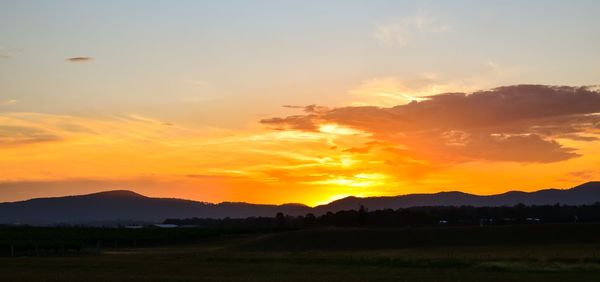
[128, 267]
[254, 258]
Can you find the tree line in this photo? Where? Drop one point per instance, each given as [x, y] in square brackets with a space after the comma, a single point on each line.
[409, 217]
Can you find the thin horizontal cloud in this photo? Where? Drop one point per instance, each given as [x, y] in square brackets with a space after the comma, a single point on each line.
[20, 135]
[5, 53]
[400, 33]
[587, 174]
[578, 137]
[293, 107]
[308, 109]
[581, 175]
[8, 102]
[79, 59]
[396, 90]
[513, 123]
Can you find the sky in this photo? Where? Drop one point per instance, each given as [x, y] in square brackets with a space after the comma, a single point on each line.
[297, 101]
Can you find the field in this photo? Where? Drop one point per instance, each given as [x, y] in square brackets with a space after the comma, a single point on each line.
[503, 253]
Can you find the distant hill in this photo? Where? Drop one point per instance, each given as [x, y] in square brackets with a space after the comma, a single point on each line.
[587, 193]
[122, 206]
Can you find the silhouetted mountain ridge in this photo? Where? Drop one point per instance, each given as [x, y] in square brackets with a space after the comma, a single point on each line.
[586, 193]
[124, 205]
[117, 193]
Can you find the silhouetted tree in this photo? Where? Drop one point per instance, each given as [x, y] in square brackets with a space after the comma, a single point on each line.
[310, 220]
[363, 215]
[415, 216]
[280, 220]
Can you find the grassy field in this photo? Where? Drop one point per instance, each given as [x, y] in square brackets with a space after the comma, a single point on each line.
[358, 255]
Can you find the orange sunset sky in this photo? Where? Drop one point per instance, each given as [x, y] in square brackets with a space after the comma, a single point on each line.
[305, 101]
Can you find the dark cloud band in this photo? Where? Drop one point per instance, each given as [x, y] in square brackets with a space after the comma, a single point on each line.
[79, 59]
[513, 123]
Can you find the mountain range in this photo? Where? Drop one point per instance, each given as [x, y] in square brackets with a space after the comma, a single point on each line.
[128, 206]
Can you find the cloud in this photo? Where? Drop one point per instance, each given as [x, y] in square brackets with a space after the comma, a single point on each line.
[579, 137]
[8, 102]
[309, 109]
[392, 34]
[399, 33]
[140, 118]
[7, 53]
[19, 135]
[519, 148]
[292, 122]
[79, 59]
[395, 90]
[513, 123]
[4, 54]
[22, 128]
[587, 174]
